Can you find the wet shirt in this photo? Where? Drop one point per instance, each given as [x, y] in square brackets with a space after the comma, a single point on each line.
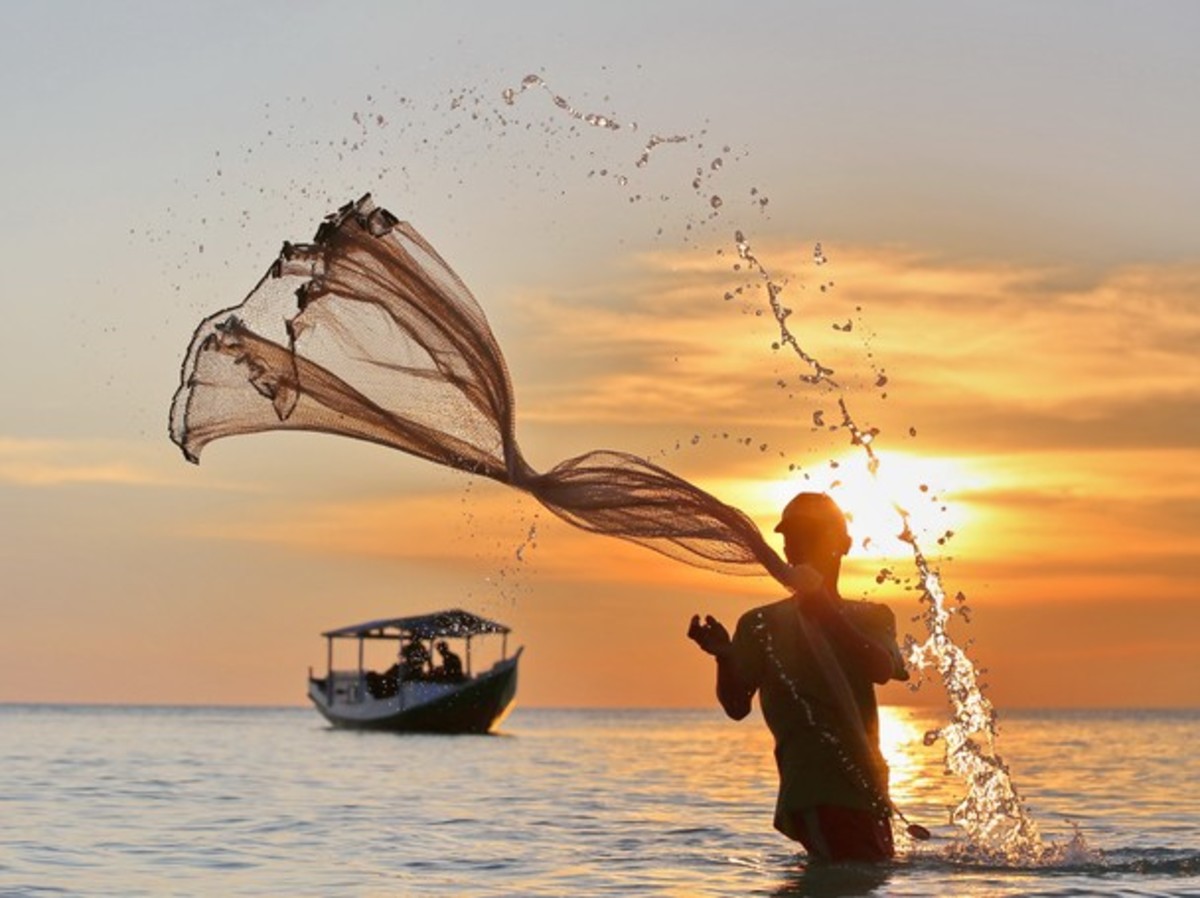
[771, 654]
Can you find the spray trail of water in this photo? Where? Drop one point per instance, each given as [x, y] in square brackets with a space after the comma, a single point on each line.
[820, 373]
[530, 542]
[992, 812]
[510, 94]
[996, 822]
[654, 141]
[590, 118]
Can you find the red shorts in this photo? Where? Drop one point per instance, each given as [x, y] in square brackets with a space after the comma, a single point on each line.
[837, 834]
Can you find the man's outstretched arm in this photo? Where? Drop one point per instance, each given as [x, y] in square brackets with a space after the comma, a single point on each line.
[711, 635]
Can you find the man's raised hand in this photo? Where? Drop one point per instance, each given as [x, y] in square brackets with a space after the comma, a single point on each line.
[710, 635]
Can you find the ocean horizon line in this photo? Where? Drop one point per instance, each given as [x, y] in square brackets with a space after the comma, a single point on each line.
[628, 709]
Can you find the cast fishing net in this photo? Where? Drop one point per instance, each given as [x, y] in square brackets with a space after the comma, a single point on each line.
[366, 332]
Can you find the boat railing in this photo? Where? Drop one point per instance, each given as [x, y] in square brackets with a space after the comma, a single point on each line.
[343, 687]
[350, 687]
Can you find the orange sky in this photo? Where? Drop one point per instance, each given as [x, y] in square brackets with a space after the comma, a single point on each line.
[1063, 496]
[1034, 313]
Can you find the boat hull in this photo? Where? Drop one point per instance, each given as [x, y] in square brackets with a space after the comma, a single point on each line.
[476, 706]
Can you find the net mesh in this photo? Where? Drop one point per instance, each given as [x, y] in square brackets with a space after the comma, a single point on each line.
[366, 332]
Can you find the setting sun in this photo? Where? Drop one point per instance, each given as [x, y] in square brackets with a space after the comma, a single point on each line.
[924, 488]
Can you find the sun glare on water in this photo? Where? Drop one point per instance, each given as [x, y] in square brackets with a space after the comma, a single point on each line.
[900, 740]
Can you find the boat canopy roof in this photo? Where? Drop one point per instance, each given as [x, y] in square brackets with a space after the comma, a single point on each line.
[454, 622]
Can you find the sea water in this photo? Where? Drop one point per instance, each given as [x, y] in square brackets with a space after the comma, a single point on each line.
[235, 801]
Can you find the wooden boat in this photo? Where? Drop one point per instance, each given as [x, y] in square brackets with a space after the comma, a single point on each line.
[416, 695]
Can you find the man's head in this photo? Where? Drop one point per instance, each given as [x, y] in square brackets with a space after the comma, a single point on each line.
[814, 529]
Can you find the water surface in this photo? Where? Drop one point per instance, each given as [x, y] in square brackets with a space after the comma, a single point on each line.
[222, 801]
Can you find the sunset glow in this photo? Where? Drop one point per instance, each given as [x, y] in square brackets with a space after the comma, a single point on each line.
[1004, 294]
[925, 488]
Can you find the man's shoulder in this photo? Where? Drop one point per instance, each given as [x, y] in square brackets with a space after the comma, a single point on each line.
[768, 611]
[871, 616]
[756, 630]
[870, 612]
[774, 617]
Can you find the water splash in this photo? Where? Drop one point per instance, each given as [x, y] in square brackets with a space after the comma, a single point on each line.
[530, 542]
[509, 95]
[997, 825]
[509, 583]
[656, 141]
[818, 372]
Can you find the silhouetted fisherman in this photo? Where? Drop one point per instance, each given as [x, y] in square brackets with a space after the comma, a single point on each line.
[814, 659]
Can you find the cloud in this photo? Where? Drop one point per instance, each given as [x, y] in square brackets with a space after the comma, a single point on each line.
[48, 463]
[989, 355]
[488, 530]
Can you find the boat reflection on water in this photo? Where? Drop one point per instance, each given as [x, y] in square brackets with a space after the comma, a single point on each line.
[420, 692]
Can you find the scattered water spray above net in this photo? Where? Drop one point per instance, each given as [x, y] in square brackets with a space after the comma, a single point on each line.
[590, 118]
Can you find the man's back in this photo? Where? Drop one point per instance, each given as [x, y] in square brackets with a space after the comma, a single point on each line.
[815, 749]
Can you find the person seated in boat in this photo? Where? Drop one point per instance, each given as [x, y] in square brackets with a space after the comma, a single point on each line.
[415, 660]
[451, 668]
[814, 659]
[382, 685]
[386, 683]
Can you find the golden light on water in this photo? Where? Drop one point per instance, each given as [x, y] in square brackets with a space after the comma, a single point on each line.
[901, 735]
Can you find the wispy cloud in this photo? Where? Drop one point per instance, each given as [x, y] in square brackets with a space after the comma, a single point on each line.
[990, 354]
[427, 527]
[49, 463]
[492, 531]
[1077, 396]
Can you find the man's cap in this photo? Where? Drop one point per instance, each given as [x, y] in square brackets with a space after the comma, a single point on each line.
[811, 509]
